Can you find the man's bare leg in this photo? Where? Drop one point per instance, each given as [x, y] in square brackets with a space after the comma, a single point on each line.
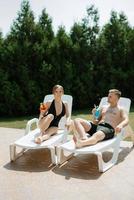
[98, 136]
[81, 127]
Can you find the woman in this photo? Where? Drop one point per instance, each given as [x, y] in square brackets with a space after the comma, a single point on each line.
[50, 117]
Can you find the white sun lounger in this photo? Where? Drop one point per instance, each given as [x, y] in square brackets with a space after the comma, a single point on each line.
[27, 141]
[66, 150]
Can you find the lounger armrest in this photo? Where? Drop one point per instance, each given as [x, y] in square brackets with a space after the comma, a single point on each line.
[66, 133]
[29, 124]
[121, 134]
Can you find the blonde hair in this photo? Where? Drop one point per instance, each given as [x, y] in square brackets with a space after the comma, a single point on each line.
[116, 92]
[57, 86]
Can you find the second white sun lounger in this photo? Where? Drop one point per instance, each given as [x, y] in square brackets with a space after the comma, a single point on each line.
[68, 149]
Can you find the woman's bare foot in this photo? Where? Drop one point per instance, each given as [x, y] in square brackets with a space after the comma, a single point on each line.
[42, 138]
[38, 140]
[45, 137]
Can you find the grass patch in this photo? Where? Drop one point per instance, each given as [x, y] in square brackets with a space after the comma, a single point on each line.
[20, 122]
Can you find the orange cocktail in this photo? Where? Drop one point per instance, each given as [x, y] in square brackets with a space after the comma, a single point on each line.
[43, 107]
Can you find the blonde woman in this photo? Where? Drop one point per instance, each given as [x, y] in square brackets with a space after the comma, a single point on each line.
[50, 118]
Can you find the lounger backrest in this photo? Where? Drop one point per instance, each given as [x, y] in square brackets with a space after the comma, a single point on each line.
[123, 102]
[65, 98]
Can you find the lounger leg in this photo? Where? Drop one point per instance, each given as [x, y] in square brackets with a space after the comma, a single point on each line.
[12, 152]
[61, 156]
[53, 155]
[103, 166]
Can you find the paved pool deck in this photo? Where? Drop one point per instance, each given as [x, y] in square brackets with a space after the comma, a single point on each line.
[32, 177]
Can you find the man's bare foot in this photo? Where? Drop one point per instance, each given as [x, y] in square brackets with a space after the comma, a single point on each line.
[84, 137]
[74, 138]
[78, 143]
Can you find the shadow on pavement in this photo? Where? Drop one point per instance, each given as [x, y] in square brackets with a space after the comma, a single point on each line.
[32, 161]
[124, 153]
[80, 167]
[86, 166]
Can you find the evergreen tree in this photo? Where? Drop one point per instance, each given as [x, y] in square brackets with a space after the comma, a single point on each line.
[19, 63]
[84, 36]
[112, 48]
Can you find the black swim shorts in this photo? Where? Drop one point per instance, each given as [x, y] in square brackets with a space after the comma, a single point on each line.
[106, 128]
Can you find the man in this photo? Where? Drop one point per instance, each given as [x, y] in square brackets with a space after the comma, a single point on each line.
[111, 120]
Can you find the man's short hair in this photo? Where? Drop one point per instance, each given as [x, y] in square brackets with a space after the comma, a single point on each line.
[115, 91]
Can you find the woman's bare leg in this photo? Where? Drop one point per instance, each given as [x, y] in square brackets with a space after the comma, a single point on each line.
[45, 136]
[49, 132]
[45, 122]
[43, 125]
